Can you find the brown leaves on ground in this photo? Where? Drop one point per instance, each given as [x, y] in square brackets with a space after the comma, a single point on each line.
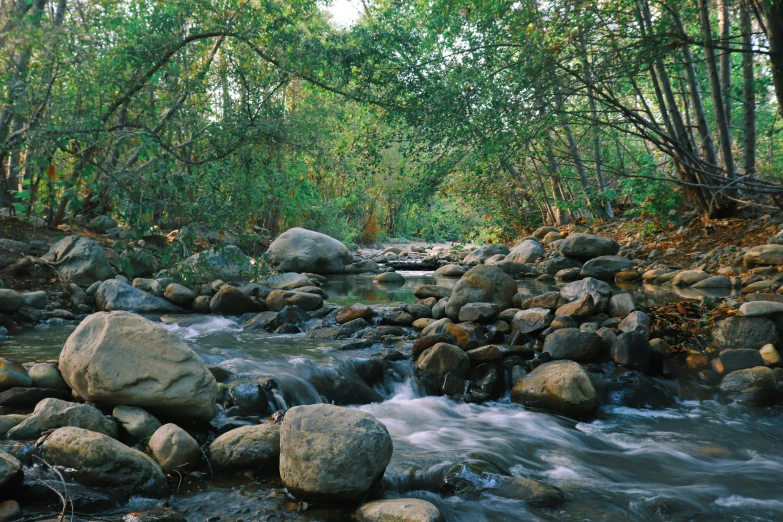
[687, 325]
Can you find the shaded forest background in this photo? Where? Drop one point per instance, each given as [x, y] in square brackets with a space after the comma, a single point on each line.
[444, 119]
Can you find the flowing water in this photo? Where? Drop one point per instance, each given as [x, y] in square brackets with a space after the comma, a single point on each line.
[696, 461]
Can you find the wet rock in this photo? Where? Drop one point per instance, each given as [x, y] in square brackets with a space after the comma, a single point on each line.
[561, 387]
[478, 312]
[421, 324]
[465, 335]
[714, 282]
[13, 374]
[7, 422]
[689, 277]
[96, 460]
[256, 290]
[250, 396]
[482, 284]
[233, 301]
[279, 299]
[451, 271]
[10, 469]
[580, 309]
[439, 309]
[569, 274]
[80, 260]
[484, 383]
[436, 327]
[379, 332]
[470, 478]
[180, 295]
[398, 510]
[485, 354]
[290, 315]
[636, 322]
[354, 311]
[121, 358]
[10, 301]
[301, 250]
[136, 422]
[550, 301]
[155, 515]
[55, 413]
[696, 362]
[425, 342]
[483, 253]
[573, 344]
[10, 510]
[740, 359]
[621, 305]
[343, 331]
[528, 251]
[29, 397]
[259, 321]
[764, 255]
[286, 281]
[434, 363]
[254, 447]
[588, 246]
[556, 264]
[426, 291]
[174, 449]
[420, 310]
[600, 292]
[389, 278]
[37, 299]
[632, 350]
[531, 320]
[397, 317]
[115, 295]
[770, 355]
[332, 454]
[633, 389]
[605, 267]
[744, 332]
[752, 385]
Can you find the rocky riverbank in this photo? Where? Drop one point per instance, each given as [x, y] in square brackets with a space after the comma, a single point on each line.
[130, 407]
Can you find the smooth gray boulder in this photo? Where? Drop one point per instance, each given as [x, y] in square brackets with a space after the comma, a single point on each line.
[10, 301]
[13, 374]
[54, 413]
[174, 449]
[561, 387]
[588, 246]
[482, 284]
[332, 454]
[96, 460]
[751, 385]
[79, 260]
[286, 281]
[121, 358]
[483, 253]
[528, 251]
[398, 510]
[253, 447]
[180, 295]
[605, 267]
[301, 250]
[573, 344]
[136, 422]
[744, 332]
[599, 290]
[115, 295]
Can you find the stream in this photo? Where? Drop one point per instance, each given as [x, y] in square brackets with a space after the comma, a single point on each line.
[696, 461]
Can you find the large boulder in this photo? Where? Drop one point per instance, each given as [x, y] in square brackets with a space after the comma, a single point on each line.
[573, 344]
[528, 251]
[398, 510]
[300, 250]
[13, 374]
[764, 255]
[279, 299]
[10, 301]
[588, 246]
[483, 253]
[443, 358]
[115, 295]
[605, 267]
[598, 290]
[80, 260]
[174, 449]
[332, 454]
[554, 265]
[54, 413]
[751, 385]
[121, 358]
[233, 301]
[744, 332]
[96, 460]
[227, 262]
[253, 447]
[561, 387]
[482, 284]
[286, 281]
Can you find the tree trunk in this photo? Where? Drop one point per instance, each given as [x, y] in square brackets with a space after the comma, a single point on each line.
[748, 92]
[773, 12]
[724, 17]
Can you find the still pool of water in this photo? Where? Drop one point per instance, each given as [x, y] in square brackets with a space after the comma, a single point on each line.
[698, 461]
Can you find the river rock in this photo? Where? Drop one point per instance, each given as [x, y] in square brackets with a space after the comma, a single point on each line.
[279, 299]
[115, 295]
[764, 255]
[332, 454]
[10, 468]
[482, 284]
[740, 359]
[751, 385]
[485, 354]
[605, 267]
[301, 250]
[55, 413]
[554, 265]
[37, 300]
[13, 374]
[427, 291]
[714, 282]
[121, 358]
[561, 387]
[633, 389]
[770, 355]
[478, 312]
[599, 290]
[137, 262]
[451, 271]
[389, 278]
[621, 305]
[226, 262]
[632, 350]
[580, 309]
[25, 398]
[689, 277]
[97, 460]
[443, 358]
[10, 301]
[354, 311]
[10, 510]
[180, 295]
[286, 281]
[636, 322]
[761, 308]
[255, 447]
[79, 260]
[588, 246]
[573, 344]
[233, 301]
[138, 423]
[532, 320]
[201, 304]
[530, 491]
[174, 449]
[398, 510]
[483, 253]
[7, 422]
[744, 332]
[528, 251]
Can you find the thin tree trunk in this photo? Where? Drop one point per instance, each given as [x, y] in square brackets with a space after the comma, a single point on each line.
[773, 12]
[748, 92]
[560, 216]
[724, 17]
[573, 150]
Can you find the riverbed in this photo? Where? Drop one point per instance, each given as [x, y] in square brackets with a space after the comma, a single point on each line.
[696, 461]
